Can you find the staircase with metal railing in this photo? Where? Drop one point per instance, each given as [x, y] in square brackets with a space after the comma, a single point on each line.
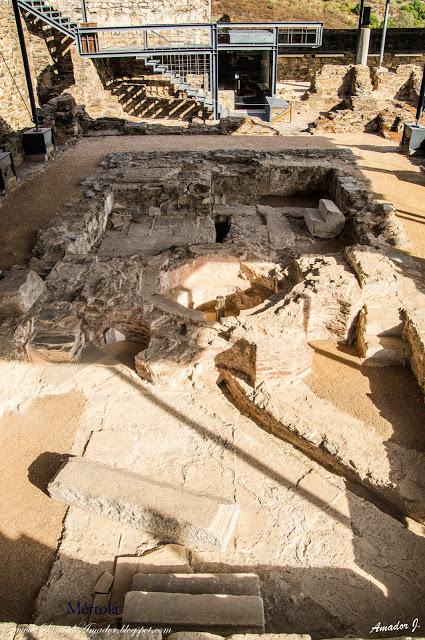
[175, 71]
[181, 53]
[178, 68]
[50, 15]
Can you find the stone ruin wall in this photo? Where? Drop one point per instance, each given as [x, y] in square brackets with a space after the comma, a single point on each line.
[137, 12]
[304, 66]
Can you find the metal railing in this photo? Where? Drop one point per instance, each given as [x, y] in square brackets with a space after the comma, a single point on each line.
[197, 38]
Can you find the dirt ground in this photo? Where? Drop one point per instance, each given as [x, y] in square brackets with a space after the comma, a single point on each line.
[394, 178]
[30, 522]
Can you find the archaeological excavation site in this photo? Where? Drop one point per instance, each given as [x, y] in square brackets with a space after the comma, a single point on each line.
[212, 324]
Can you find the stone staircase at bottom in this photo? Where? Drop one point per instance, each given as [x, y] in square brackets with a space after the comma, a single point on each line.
[223, 603]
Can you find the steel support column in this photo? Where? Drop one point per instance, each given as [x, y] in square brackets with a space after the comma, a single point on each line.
[24, 54]
[214, 70]
[384, 33]
[84, 10]
[275, 59]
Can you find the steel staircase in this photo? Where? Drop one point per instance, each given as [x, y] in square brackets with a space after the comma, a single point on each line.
[178, 79]
[50, 15]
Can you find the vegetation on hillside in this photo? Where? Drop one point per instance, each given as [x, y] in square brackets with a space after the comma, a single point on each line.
[336, 14]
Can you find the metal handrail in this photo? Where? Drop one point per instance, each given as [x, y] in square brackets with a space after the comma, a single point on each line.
[207, 25]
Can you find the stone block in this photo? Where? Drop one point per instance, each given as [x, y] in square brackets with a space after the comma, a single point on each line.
[221, 614]
[57, 334]
[19, 290]
[200, 521]
[104, 583]
[113, 335]
[325, 222]
[235, 584]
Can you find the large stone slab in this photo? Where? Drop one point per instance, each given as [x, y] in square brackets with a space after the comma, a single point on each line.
[157, 233]
[222, 614]
[168, 512]
[19, 290]
[279, 228]
[236, 584]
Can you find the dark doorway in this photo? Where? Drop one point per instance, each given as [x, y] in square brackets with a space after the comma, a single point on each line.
[222, 227]
[248, 74]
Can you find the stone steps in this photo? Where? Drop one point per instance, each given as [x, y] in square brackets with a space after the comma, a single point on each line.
[225, 614]
[235, 584]
[385, 351]
[379, 333]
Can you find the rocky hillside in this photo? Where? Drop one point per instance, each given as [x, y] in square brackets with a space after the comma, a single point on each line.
[334, 13]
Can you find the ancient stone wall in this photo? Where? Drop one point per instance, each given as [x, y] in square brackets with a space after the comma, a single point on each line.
[137, 12]
[304, 66]
[13, 112]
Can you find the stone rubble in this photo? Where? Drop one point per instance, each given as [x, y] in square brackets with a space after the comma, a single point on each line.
[357, 98]
[20, 288]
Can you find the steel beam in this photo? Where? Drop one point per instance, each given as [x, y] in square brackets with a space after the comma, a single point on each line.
[27, 71]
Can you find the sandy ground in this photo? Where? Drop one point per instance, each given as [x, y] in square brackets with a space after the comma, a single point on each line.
[394, 178]
[388, 398]
[31, 525]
